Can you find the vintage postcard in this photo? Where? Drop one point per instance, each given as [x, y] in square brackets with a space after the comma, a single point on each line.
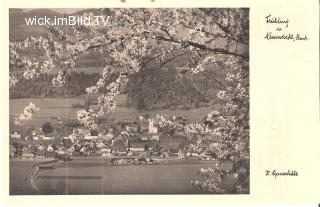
[218, 100]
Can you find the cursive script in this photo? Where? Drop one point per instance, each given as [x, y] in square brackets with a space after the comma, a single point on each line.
[274, 173]
[277, 20]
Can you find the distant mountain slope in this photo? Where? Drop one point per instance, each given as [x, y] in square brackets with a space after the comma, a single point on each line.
[18, 30]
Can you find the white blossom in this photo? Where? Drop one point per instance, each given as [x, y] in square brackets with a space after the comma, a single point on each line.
[27, 114]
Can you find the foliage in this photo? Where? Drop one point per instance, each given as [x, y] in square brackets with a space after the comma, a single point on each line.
[41, 87]
[47, 128]
[26, 115]
[161, 88]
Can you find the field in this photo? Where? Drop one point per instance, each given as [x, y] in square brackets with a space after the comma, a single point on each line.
[95, 177]
[62, 107]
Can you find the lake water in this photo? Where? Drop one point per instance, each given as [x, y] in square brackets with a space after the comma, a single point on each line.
[100, 178]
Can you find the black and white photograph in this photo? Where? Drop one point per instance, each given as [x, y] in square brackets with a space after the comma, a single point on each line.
[121, 101]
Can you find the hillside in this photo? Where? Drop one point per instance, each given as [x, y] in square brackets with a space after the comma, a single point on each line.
[153, 87]
[19, 31]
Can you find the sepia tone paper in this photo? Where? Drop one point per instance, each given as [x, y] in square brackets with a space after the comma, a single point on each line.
[284, 103]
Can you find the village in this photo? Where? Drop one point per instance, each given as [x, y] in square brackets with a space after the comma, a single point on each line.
[133, 141]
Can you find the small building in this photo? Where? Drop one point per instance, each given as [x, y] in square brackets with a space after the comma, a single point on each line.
[27, 155]
[50, 148]
[144, 138]
[100, 145]
[15, 134]
[153, 129]
[108, 136]
[35, 138]
[47, 138]
[128, 125]
[142, 146]
[106, 154]
[89, 137]
[37, 132]
[105, 150]
[137, 147]
[155, 137]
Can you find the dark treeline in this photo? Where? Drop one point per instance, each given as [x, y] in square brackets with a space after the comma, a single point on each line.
[154, 88]
[148, 89]
[76, 85]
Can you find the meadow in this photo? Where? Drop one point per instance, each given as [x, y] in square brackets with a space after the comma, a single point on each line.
[63, 108]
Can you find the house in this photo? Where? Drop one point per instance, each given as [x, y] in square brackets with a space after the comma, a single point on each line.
[105, 150]
[35, 138]
[137, 147]
[142, 146]
[71, 137]
[27, 155]
[132, 127]
[50, 148]
[155, 137]
[108, 136]
[15, 134]
[194, 154]
[70, 150]
[37, 132]
[179, 155]
[47, 138]
[144, 138]
[106, 154]
[143, 117]
[100, 145]
[89, 137]
[129, 125]
[86, 131]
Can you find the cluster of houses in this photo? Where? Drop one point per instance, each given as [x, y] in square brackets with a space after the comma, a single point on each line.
[136, 138]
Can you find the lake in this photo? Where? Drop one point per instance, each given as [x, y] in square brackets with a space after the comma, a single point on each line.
[96, 177]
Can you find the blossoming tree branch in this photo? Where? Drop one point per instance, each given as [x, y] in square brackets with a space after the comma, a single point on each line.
[212, 39]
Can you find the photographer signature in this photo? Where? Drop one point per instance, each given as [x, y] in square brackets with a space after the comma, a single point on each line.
[275, 173]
